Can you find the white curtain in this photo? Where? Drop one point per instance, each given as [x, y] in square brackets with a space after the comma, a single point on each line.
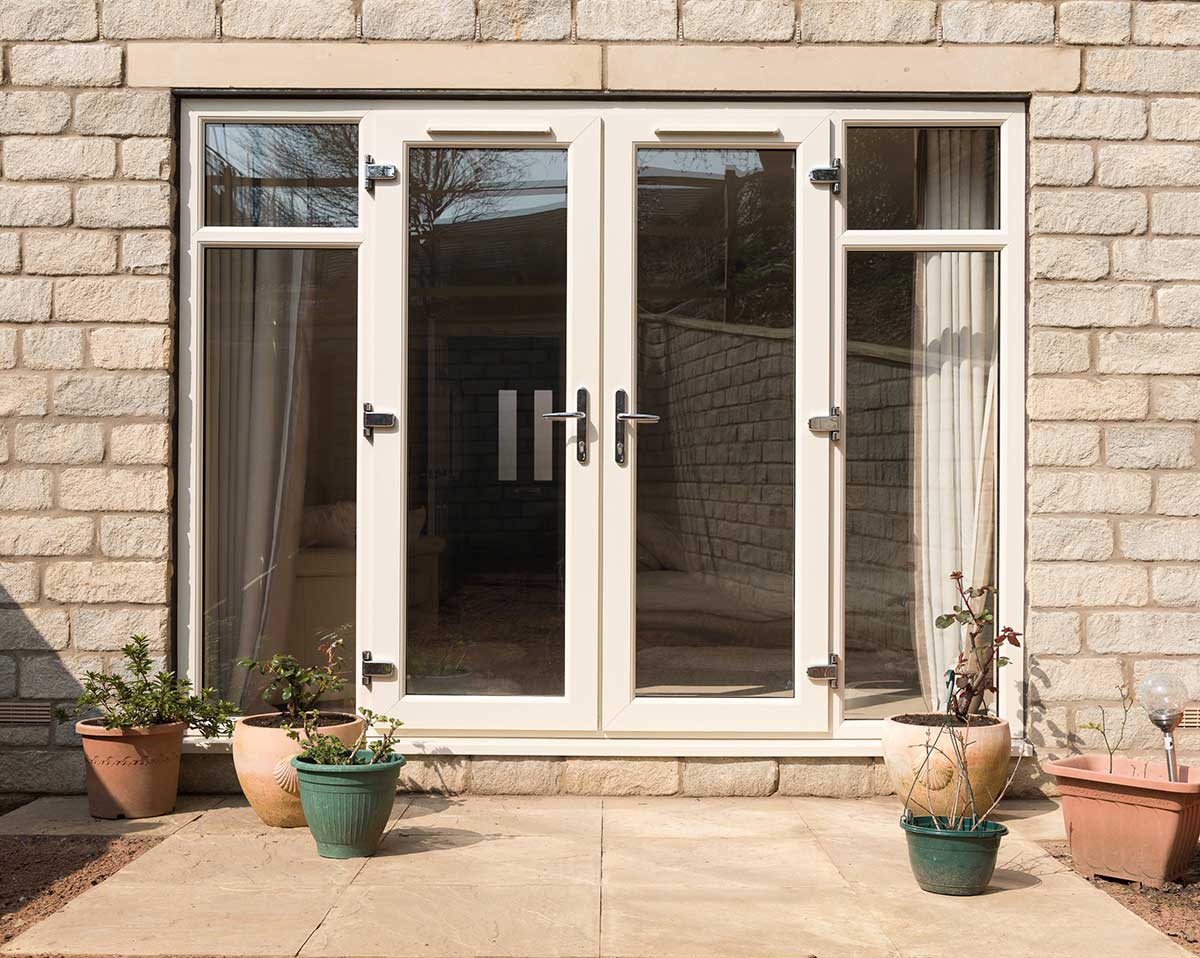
[956, 339]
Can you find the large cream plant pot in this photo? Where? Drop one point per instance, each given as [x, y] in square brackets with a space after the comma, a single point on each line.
[262, 758]
[938, 789]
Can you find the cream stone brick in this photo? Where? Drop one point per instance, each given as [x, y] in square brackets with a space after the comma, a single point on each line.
[1176, 213]
[158, 19]
[107, 630]
[146, 252]
[1143, 71]
[134, 537]
[869, 21]
[1061, 164]
[1054, 352]
[112, 394]
[1079, 677]
[23, 490]
[1161, 539]
[3, 443]
[1154, 165]
[10, 253]
[1175, 400]
[130, 347]
[1179, 305]
[1088, 492]
[118, 300]
[1167, 24]
[443, 775]
[73, 65]
[28, 112]
[1087, 539]
[67, 252]
[142, 583]
[1093, 21]
[1095, 304]
[738, 20]
[56, 676]
[1107, 212]
[1175, 119]
[8, 350]
[46, 535]
[1149, 447]
[22, 395]
[122, 490]
[510, 775]
[1056, 585]
[56, 771]
[52, 348]
[626, 19]
[524, 19]
[288, 19]
[123, 113]
[24, 300]
[621, 776]
[1087, 118]
[1158, 352]
[833, 777]
[1068, 258]
[1156, 259]
[1053, 633]
[1178, 495]
[140, 444]
[18, 582]
[39, 20]
[146, 158]
[1048, 730]
[1116, 399]
[418, 19]
[8, 687]
[741, 777]
[980, 21]
[1176, 584]
[68, 442]
[117, 206]
[34, 205]
[34, 630]
[1144, 632]
[59, 158]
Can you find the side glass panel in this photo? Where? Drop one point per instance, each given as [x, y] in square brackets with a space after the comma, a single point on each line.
[716, 292]
[920, 443]
[487, 340]
[280, 174]
[280, 425]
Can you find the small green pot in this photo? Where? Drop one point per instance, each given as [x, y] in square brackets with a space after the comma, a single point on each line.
[952, 862]
[347, 806]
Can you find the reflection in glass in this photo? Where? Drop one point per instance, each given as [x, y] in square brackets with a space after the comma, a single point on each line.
[716, 359]
[280, 174]
[920, 447]
[280, 354]
[486, 342]
[904, 178]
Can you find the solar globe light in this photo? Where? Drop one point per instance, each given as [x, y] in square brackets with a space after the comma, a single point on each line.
[1162, 696]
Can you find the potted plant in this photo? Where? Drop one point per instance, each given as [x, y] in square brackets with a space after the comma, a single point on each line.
[439, 670]
[347, 791]
[1129, 819]
[132, 749]
[262, 744]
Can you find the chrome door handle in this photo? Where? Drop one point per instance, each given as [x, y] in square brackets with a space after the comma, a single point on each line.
[580, 417]
[624, 417]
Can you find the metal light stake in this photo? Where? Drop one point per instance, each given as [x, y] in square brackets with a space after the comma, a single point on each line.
[1163, 695]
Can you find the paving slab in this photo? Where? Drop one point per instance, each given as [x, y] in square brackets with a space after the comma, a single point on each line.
[1034, 820]
[68, 815]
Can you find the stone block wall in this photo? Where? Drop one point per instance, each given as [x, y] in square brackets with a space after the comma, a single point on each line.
[87, 206]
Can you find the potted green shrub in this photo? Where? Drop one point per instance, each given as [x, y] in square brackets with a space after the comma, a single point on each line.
[347, 791]
[132, 748]
[262, 744]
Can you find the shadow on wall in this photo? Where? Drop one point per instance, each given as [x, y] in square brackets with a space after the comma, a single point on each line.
[38, 753]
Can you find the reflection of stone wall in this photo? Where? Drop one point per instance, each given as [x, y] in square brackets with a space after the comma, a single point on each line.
[719, 467]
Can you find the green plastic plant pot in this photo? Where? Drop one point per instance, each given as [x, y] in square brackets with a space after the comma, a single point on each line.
[347, 806]
[954, 862]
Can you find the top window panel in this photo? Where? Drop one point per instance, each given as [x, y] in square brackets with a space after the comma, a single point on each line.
[281, 174]
[923, 178]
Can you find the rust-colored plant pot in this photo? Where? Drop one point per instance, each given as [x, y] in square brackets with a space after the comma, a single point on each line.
[1130, 823]
[938, 789]
[262, 758]
[132, 772]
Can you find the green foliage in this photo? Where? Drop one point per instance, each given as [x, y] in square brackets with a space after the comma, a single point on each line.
[294, 688]
[329, 750]
[136, 698]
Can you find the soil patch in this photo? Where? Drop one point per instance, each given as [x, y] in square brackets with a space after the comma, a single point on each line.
[936, 719]
[324, 719]
[1173, 909]
[43, 872]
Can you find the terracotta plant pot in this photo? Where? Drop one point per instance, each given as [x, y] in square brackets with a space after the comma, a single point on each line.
[940, 789]
[133, 772]
[262, 758]
[1130, 823]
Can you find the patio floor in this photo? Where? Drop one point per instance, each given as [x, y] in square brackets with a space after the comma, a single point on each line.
[627, 877]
